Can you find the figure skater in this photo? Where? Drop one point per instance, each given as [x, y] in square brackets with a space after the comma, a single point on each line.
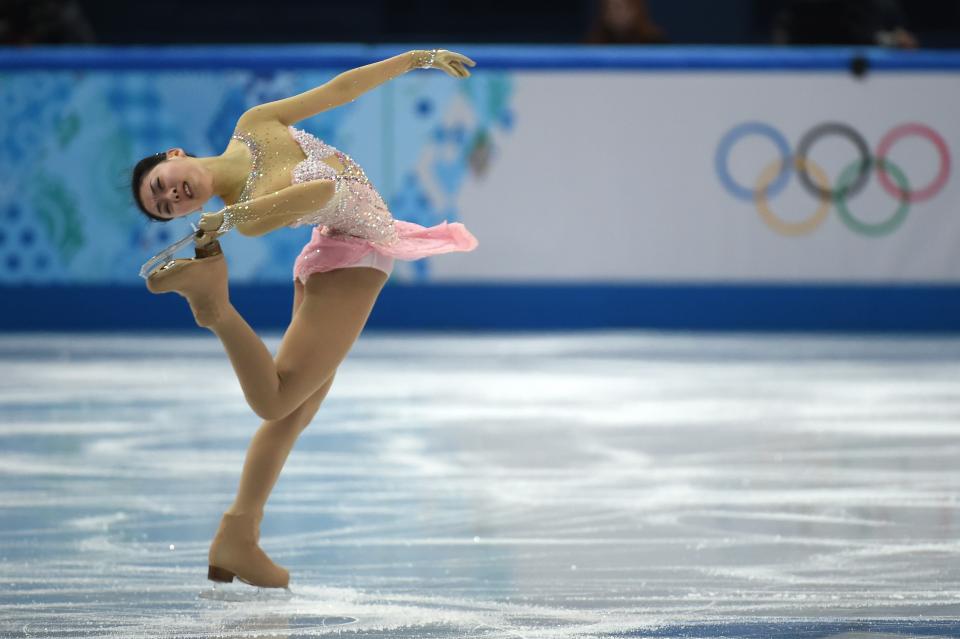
[272, 175]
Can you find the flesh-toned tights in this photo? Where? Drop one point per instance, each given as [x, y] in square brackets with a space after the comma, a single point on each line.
[329, 312]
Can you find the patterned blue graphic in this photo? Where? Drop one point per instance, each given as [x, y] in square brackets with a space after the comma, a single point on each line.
[71, 138]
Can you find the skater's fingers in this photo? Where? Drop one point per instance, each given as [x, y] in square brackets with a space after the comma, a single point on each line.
[211, 221]
[458, 67]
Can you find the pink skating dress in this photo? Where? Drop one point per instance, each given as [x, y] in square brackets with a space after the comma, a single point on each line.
[356, 220]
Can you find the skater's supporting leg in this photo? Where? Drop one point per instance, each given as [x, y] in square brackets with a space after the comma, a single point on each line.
[268, 452]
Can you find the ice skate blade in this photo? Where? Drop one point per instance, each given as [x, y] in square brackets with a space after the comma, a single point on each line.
[240, 591]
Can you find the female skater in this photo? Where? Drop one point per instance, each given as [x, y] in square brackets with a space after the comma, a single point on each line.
[272, 175]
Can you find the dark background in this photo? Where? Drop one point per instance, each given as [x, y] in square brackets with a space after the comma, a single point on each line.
[935, 22]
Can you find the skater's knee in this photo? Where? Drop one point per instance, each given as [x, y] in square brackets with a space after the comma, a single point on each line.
[291, 411]
[308, 410]
[304, 414]
[283, 405]
[272, 410]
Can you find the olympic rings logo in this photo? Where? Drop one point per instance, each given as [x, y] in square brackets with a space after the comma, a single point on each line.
[774, 178]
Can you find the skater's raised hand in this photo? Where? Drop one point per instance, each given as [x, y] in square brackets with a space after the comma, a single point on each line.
[211, 221]
[208, 228]
[454, 64]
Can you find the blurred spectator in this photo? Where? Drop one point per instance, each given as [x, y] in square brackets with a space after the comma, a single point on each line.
[865, 22]
[624, 22]
[26, 22]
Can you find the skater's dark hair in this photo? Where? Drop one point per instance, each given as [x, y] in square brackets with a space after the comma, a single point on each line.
[141, 169]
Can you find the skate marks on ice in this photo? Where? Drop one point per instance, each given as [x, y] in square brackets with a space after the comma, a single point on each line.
[244, 593]
[554, 485]
[390, 615]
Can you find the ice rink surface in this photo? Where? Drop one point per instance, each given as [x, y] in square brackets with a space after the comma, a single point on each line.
[533, 485]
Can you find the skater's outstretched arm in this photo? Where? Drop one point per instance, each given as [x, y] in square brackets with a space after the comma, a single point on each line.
[261, 215]
[350, 85]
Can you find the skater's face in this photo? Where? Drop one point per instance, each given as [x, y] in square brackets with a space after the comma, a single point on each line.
[176, 187]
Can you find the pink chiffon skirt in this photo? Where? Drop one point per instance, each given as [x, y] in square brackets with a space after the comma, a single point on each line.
[327, 251]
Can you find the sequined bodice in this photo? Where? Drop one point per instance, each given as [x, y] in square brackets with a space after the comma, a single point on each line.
[313, 166]
[355, 209]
